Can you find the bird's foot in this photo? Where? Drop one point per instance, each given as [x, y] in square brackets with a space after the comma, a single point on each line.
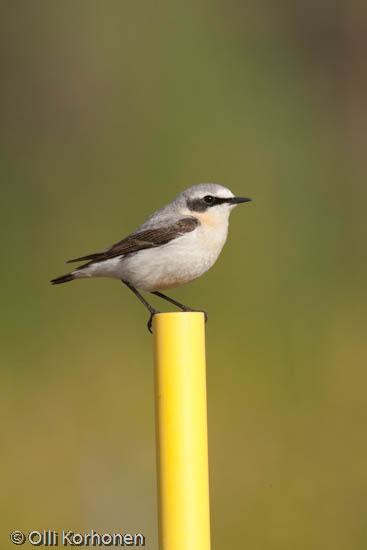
[149, 324]
[186, 308]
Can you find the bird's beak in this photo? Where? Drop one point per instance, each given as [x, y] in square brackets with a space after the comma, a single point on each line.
[237, 200]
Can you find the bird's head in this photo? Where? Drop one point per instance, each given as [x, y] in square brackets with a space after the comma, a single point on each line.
[209, 202]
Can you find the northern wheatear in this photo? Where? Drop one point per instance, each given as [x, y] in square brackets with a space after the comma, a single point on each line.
[175, 245]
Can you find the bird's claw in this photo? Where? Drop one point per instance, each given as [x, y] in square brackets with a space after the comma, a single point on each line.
[149, 323]
[205, 314]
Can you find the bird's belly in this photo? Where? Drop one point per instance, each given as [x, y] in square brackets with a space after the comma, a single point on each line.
[171, 265]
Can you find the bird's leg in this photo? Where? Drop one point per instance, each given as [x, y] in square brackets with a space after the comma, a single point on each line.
[178, 304]
[143, 301]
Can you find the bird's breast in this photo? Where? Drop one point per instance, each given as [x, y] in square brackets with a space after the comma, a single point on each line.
[209, 241]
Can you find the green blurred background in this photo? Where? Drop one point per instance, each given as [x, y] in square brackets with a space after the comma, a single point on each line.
[109, 110]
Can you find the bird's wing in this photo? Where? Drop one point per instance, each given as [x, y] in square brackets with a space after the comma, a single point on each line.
[149, 238]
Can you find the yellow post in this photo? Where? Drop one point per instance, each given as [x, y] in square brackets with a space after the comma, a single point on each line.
[181, 427]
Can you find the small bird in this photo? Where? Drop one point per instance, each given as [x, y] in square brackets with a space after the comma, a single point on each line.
[175, 245]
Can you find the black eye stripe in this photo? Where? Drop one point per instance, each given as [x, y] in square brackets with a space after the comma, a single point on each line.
[200, 205]
[211, 201]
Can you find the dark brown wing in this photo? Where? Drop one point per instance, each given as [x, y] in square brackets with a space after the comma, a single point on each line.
[149, 238]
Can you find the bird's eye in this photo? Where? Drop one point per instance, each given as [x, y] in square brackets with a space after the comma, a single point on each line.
[209, 199]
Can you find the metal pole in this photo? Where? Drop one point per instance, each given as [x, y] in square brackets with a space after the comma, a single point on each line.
[181, 431]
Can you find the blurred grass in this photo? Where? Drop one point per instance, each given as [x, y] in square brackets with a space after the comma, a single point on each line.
[108, 111]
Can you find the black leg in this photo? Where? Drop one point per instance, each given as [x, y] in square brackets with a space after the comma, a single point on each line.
[178, 304]
[143, 301]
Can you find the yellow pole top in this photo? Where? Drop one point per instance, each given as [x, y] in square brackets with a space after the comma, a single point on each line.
[181, 429]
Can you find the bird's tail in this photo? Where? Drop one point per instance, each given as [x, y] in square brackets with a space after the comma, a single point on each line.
[63, 279]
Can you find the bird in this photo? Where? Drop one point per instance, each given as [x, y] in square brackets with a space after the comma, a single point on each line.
[175, 245]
